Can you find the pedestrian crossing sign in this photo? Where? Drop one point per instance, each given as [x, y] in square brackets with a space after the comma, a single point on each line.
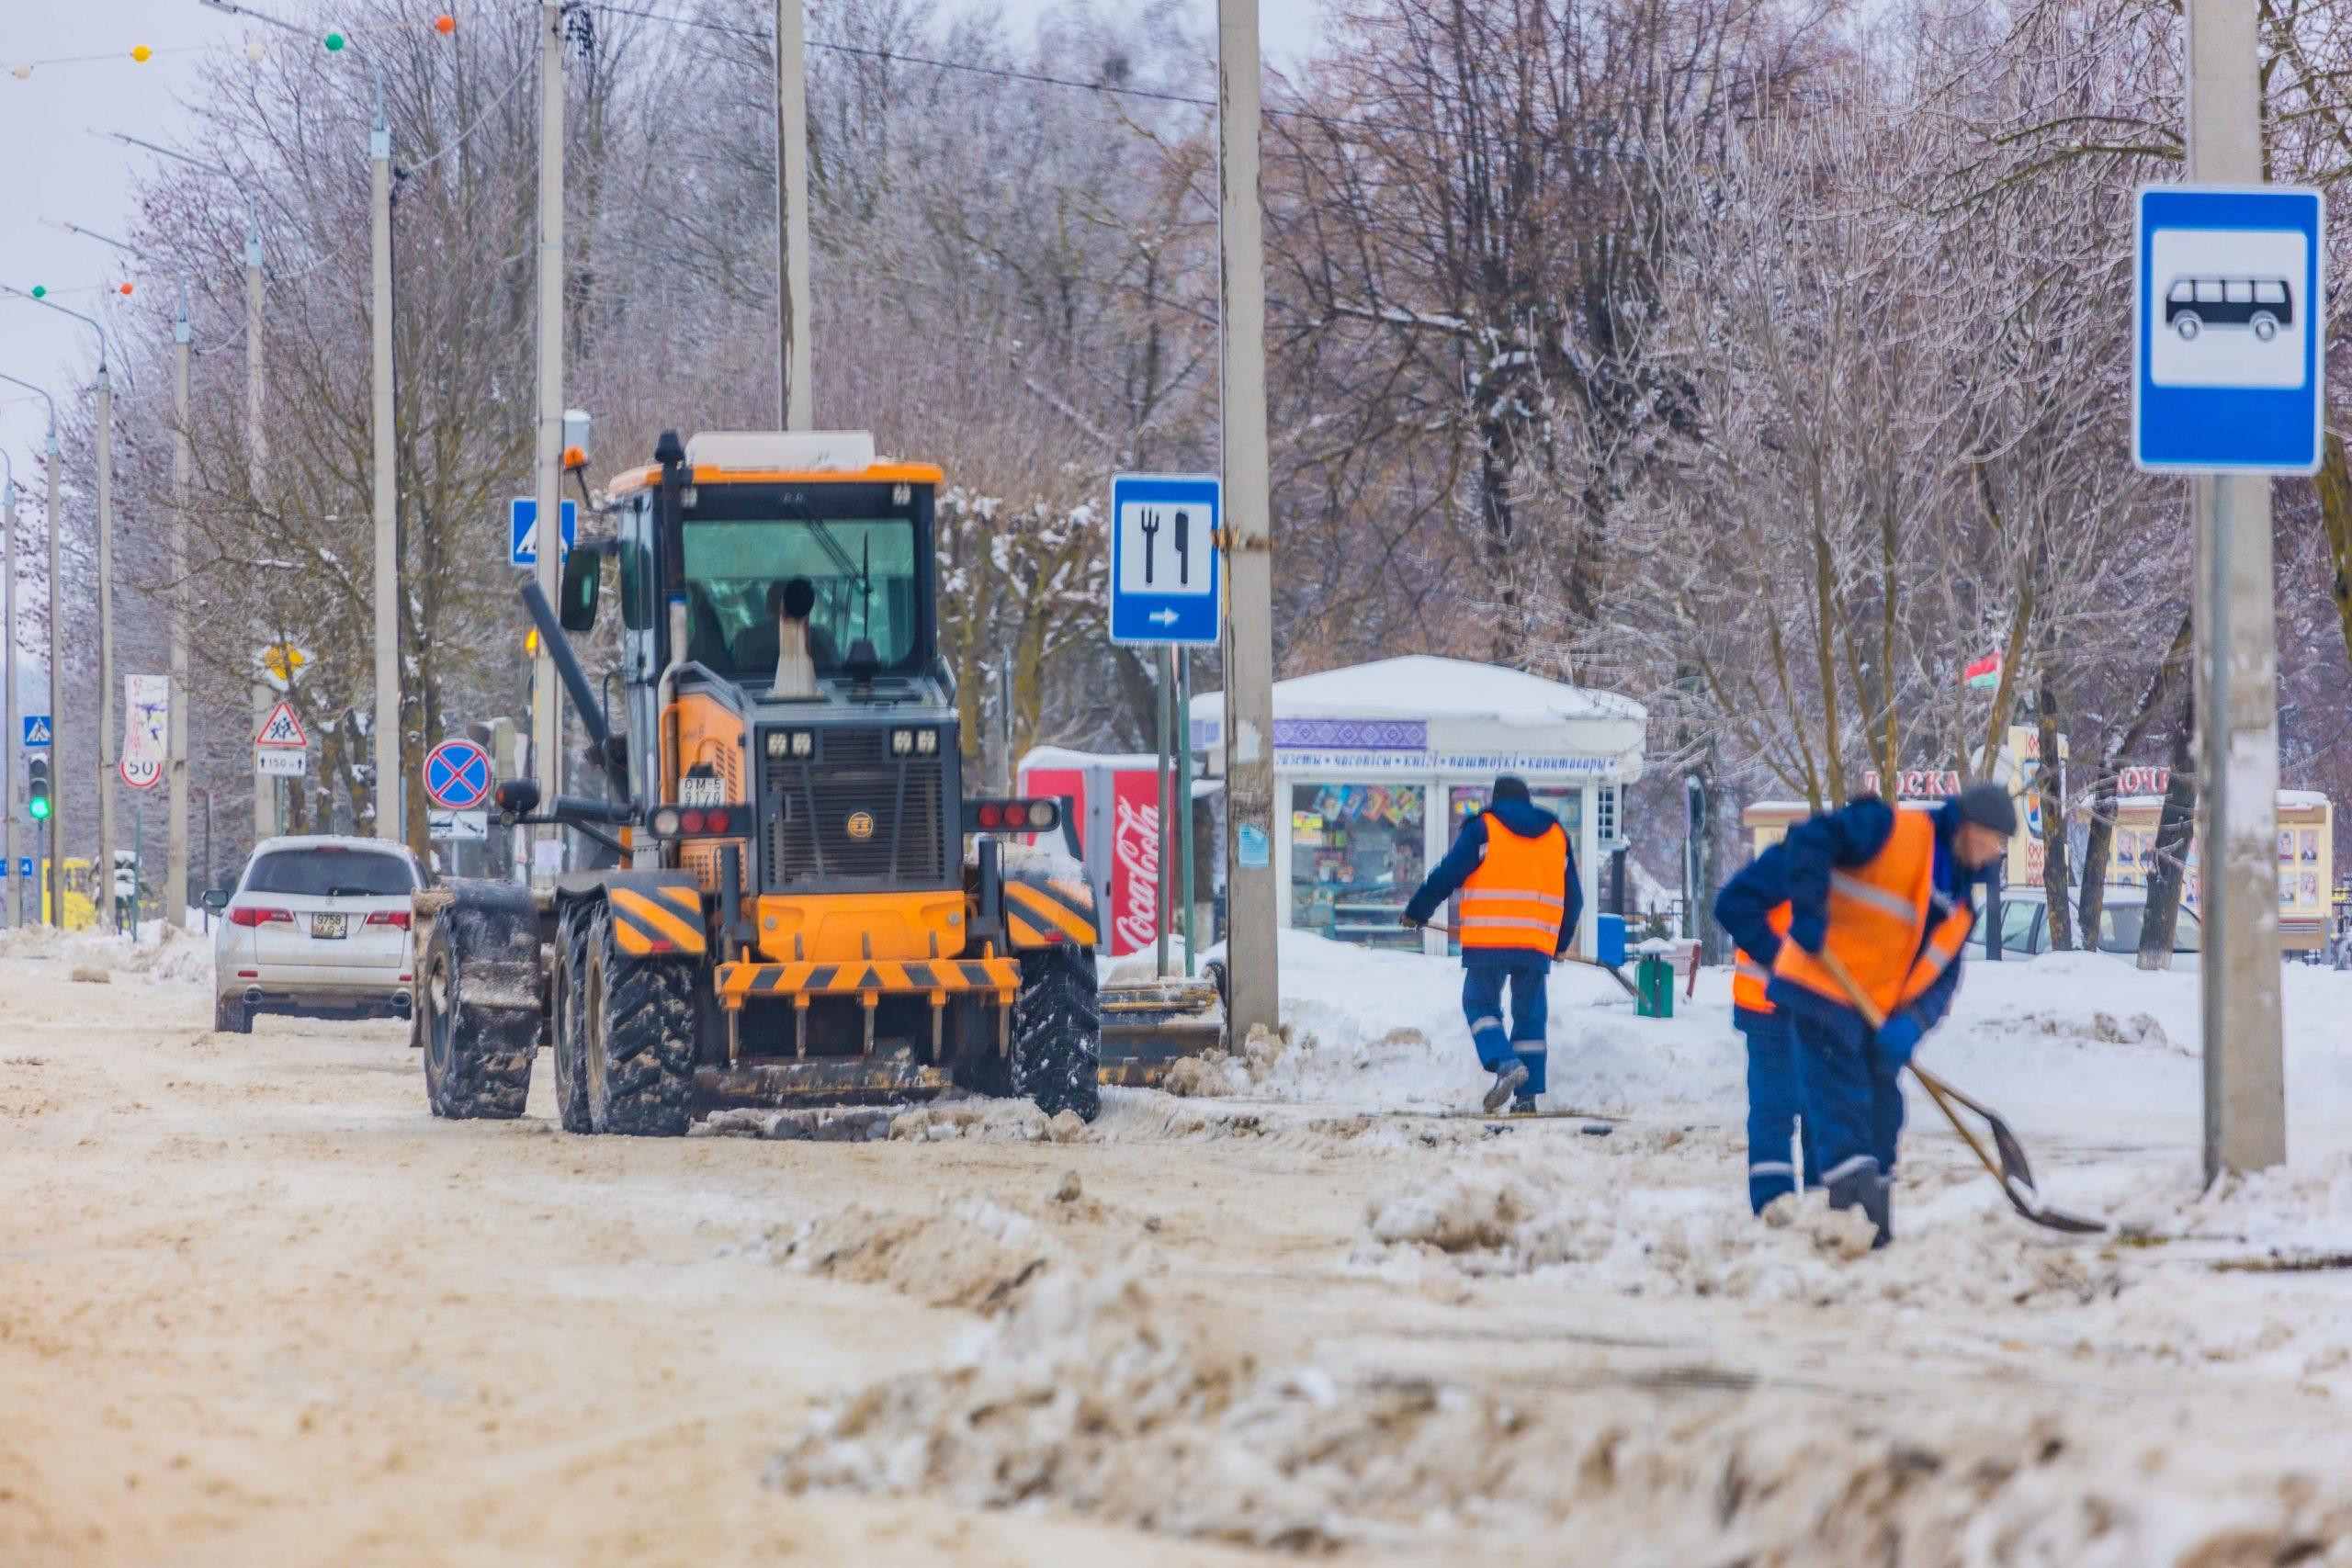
[36, 730]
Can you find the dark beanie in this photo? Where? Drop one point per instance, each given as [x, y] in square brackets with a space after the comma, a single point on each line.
[1988, 806]
[1509, 786]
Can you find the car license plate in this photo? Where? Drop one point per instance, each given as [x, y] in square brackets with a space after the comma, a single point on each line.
[328, 925]
[705, 791]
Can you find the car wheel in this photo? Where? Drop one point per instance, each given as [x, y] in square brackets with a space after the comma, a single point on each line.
[231, 1017]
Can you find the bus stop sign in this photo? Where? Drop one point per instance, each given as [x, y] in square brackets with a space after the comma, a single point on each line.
[2228, 324]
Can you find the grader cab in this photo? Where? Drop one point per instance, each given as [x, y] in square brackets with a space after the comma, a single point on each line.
[797, 904]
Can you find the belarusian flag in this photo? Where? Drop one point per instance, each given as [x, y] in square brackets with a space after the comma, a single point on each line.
[1984, 674]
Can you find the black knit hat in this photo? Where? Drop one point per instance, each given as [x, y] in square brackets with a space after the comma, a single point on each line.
[1509, 786]
[1988, 806]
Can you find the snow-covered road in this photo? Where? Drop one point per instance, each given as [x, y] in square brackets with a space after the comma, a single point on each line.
[255, 1305]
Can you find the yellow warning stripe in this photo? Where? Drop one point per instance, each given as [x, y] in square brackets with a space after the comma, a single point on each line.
[737, 981]
[1025, 934]
[1040, 907]
[642, 925]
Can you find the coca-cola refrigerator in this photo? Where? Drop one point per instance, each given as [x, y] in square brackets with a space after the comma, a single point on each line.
[1114, 803]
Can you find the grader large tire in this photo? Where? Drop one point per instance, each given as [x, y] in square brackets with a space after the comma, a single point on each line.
[638, 1039]
[1057, 1058]
[567, 1003]
[478, 1008]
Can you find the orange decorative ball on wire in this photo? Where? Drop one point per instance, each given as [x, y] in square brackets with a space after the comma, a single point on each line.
[445, 24]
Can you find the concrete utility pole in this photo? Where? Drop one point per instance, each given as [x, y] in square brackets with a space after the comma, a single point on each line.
[257, 455]
[1253, 976]
[546, 711]
[8, 671]
[256, 472]
[109, 741]
[175, 765]
[792, 214]
[387, 749]
[56, 665]
[389, 824]
[2237, 671]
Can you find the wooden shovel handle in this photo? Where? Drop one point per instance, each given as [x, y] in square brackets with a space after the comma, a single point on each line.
[1873, 1014]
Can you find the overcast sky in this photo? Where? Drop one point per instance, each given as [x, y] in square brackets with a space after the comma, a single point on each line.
[57, 171]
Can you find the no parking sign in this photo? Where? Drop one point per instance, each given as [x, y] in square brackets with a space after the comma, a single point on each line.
[457, 775]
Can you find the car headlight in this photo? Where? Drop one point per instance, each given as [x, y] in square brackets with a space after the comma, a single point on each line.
[927, 742]
[902, 742]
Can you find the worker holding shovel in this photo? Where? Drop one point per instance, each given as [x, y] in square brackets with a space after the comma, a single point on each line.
[1880, 901]
[1520, 898]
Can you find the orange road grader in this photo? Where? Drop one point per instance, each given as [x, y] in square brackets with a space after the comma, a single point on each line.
[784, 899]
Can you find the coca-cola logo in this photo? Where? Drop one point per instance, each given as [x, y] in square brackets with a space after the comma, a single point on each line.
[1135, 844]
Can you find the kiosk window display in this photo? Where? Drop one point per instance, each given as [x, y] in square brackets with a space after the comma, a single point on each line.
[1356, 854]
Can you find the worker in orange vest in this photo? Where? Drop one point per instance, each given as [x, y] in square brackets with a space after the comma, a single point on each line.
[1753, 908]
[1881, 899]
[1520, 900]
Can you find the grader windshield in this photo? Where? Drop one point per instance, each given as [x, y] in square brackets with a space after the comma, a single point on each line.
[862, 575]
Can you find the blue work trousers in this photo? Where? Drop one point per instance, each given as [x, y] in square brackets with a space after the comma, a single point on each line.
[1775, 1109]
[1482, 1004]
[1852, 1100]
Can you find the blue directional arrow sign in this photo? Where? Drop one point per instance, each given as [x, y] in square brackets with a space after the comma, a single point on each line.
[36, 730]
[2228, 329]
[1167, 579]
[522, 529]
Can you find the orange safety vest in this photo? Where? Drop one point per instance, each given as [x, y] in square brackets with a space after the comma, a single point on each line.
[1879, 923]
[1749, 977]
[1512, 899]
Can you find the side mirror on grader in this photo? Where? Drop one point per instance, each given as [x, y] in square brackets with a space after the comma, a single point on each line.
[584, 580]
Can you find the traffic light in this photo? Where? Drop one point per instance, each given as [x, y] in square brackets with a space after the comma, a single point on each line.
[37, 788]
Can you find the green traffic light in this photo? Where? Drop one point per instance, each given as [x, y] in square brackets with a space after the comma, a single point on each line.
[335, 43]
[40, 808]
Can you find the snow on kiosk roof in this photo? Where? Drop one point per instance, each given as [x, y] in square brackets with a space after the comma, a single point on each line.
[1451, 715]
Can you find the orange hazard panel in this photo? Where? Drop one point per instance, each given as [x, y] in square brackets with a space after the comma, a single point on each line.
[702, 733]
[834, 928]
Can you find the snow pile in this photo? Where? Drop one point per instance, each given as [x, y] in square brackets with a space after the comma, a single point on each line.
[1520, 1212]
[967, 1253]
[160, 954]
[1089, 1394]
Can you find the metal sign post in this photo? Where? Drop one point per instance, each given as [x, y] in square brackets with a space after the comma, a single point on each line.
[2228, 319]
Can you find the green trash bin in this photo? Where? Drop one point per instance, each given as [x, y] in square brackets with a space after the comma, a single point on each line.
[1654, 979]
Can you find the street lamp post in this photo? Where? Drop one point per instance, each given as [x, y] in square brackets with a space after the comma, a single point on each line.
[104, 881]
[256, 433]
[389, 821]
[176, 762]
[56, 661]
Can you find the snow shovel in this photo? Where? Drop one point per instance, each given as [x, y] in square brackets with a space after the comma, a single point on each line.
[1608, 969]
[2011, 1171]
